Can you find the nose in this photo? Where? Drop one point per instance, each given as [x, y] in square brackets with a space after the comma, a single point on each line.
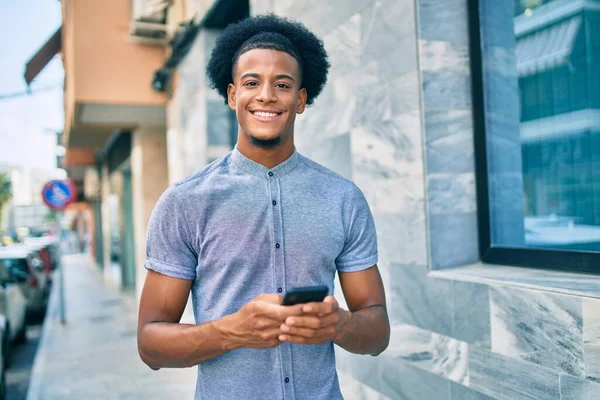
[267, 94]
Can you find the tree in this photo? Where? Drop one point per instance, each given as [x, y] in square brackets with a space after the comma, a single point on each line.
[5, 192]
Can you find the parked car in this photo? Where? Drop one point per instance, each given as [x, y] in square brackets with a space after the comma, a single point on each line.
[41, 271]
[43, 250]
[13, 310]
[51, 247]
[26, 269]
[3, 357]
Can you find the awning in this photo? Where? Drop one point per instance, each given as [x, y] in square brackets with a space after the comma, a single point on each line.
[547, 48]
[39, 61]
[567, 124]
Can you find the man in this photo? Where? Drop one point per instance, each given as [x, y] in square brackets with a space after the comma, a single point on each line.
[255, 223]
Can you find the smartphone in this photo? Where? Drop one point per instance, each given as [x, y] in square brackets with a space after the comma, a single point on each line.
[306, 294]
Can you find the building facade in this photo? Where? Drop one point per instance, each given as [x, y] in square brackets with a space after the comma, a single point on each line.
[426, 109]
[115, 123]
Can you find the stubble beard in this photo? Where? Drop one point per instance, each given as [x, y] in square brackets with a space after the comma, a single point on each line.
[265, 143]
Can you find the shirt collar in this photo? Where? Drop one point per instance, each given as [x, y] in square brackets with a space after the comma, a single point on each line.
[260, 170]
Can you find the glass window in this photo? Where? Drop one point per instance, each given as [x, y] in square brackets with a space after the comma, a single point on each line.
[541, 117]
[18, 265]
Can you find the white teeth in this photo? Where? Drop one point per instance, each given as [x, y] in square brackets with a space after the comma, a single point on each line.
[264, 114]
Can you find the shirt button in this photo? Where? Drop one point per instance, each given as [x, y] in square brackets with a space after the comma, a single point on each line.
[274, 203]
[287, 380]
[277, 245]
[270, 173]
[279, 290]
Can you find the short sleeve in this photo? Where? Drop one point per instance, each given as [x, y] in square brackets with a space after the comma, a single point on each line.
[360, 247]
[169, 249]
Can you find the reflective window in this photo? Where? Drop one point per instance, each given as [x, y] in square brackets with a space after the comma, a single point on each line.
[541, 85]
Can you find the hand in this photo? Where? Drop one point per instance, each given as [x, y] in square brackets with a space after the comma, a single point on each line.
[257, 324]
[319, 323]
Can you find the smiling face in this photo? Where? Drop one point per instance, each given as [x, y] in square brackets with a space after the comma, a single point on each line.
[266, 97]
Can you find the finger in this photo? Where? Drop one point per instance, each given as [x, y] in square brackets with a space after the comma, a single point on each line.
[313, 322]
[278, 312]
[327, 306]
[307, 336]
[270, 334]
[330, 320]
[263, 324]
[287, 330]
[270, 298]
[284, 312]
[300, 332]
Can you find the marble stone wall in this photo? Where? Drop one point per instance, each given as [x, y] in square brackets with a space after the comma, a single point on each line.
[448, 134]
[397, 118]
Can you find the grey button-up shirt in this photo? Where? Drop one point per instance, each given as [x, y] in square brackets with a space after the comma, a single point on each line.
[238, 229]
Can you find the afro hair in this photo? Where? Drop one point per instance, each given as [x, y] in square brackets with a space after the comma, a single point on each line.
[269, 32]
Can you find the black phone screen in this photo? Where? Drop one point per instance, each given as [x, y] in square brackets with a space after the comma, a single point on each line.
[306, 294]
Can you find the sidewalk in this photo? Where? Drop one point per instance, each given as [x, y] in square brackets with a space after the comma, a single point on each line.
[94, 356]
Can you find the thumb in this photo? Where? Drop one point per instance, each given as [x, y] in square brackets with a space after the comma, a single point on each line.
[334, 304]
[270, 298]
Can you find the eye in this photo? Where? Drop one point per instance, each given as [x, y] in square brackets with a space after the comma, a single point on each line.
[283, 86]
[251, 83]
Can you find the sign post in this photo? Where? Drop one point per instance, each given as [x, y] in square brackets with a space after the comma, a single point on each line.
[57, 195]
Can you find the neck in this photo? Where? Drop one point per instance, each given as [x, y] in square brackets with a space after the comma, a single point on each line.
[268, 157]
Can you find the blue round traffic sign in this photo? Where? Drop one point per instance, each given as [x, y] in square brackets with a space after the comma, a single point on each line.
[58, 194]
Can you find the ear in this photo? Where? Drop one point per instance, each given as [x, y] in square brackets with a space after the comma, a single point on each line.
[302, 94]
[231, 96]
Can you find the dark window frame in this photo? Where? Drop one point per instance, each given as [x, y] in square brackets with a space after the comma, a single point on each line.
[563, 260]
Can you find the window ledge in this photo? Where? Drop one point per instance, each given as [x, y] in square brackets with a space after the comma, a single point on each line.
[571, 283]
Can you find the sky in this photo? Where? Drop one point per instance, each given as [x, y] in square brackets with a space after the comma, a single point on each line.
[28, 123]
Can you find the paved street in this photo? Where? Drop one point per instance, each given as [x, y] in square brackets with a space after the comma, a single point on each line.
[95, 355]
[19, 373]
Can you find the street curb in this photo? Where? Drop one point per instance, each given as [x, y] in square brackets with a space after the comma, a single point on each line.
[52, 311]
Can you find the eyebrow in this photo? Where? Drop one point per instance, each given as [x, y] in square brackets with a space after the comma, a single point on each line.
[255, 75]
